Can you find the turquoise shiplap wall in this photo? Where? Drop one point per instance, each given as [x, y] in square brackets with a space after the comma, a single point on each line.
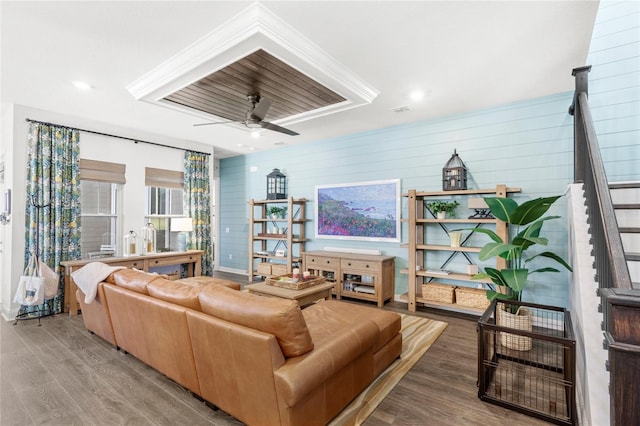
[614, 87]
[525, 144]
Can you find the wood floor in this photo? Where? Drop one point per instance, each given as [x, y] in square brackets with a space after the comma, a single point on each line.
[59, 373]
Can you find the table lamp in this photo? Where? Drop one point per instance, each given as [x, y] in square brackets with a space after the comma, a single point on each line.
[182, 225]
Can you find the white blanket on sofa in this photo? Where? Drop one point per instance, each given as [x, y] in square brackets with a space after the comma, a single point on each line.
[89, 276]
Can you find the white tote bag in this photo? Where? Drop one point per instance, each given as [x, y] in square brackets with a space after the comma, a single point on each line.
[51, 280]
[30, 290]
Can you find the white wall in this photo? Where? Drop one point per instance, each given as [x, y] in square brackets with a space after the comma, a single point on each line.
[592, 379]
[6, 231]
[136, 156]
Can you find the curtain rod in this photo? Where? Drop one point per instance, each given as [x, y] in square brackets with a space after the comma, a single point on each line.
[116, 136]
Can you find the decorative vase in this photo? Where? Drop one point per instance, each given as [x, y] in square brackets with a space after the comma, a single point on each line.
[455, 238]
[521, 320]
[441, 215]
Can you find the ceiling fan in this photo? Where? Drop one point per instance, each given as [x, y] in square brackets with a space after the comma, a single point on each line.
[254, 118]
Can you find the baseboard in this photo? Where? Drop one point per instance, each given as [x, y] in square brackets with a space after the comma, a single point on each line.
[352, 250]
[233, 271]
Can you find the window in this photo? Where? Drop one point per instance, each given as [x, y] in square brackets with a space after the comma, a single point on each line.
[164, 201]
[100, 185]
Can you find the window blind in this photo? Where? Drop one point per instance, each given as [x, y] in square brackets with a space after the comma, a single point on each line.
[163, 178]
[102, 171]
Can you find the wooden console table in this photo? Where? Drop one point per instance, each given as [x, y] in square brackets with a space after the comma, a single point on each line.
[359, 276]
[191, 258]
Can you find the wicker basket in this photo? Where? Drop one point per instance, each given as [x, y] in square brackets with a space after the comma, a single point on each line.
[279, 269]
[264, 268]
[438, 292]
[472, 297]
[521, 320]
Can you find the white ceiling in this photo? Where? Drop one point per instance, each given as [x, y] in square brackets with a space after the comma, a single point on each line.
[464, 55]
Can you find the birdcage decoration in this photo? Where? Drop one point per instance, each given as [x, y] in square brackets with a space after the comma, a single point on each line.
[454, 174]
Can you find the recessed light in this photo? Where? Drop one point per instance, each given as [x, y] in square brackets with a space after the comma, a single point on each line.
[416, 95]
[255, 134]
[401, 108]
[82, 85]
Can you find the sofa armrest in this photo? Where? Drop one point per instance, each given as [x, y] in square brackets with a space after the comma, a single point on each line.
[301, 375]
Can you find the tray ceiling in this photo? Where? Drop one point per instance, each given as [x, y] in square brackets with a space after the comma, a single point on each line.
[223, 93]
[254, 53]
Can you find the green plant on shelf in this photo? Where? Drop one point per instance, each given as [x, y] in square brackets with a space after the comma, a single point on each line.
[443, 207]
[276, 212]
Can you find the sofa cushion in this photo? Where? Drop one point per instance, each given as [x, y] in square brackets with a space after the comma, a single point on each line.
[324, 317]
[280, 317]
[175, 292]
[132, 279]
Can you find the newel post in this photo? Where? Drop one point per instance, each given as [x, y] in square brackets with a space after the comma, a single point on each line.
[579, 140]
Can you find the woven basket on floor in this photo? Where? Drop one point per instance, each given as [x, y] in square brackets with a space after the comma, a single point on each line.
[521, 320]
[472, 297]
[438, 292]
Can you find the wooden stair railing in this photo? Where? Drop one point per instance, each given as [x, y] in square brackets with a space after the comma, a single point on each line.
[620, 303]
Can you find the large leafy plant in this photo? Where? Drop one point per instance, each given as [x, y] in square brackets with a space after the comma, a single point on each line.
[514, 278]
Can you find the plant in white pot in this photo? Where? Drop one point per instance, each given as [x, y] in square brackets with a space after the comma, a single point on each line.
[277, 212]
[440, 209]
[527, 219]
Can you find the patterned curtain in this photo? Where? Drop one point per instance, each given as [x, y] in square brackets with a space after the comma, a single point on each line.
[197, 200]
[52, 217]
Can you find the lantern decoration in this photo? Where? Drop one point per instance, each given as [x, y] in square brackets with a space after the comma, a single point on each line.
[148, 239]
[130, 240]
[276, 185]
[454, 174]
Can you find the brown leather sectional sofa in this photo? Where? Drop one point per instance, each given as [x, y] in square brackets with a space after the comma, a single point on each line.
[262, 360]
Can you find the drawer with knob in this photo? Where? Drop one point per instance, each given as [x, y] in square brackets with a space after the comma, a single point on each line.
[361, 265]
[321, 261]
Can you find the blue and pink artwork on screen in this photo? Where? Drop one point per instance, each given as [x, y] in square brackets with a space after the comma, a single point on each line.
[367, 211]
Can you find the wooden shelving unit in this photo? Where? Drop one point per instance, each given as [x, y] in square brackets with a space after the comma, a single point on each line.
[264, 243]
[419, 219]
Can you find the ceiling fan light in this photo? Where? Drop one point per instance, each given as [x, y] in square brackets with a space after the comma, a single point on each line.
[252, 124]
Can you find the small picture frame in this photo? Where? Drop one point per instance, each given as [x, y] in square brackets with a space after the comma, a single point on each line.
[280, 253]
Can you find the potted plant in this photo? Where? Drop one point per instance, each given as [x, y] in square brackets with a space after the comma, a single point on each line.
[441, 208]
[276, 212]
[527, 220]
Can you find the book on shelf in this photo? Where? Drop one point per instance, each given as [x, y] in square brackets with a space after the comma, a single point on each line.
[438, 271]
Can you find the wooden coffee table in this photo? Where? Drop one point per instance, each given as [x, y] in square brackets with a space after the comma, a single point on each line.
[304, 297]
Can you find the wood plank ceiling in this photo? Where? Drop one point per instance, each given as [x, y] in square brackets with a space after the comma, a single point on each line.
[224, 92]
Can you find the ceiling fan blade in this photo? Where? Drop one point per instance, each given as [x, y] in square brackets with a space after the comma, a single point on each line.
[275, 127]
[215, 122]
[260, 111]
